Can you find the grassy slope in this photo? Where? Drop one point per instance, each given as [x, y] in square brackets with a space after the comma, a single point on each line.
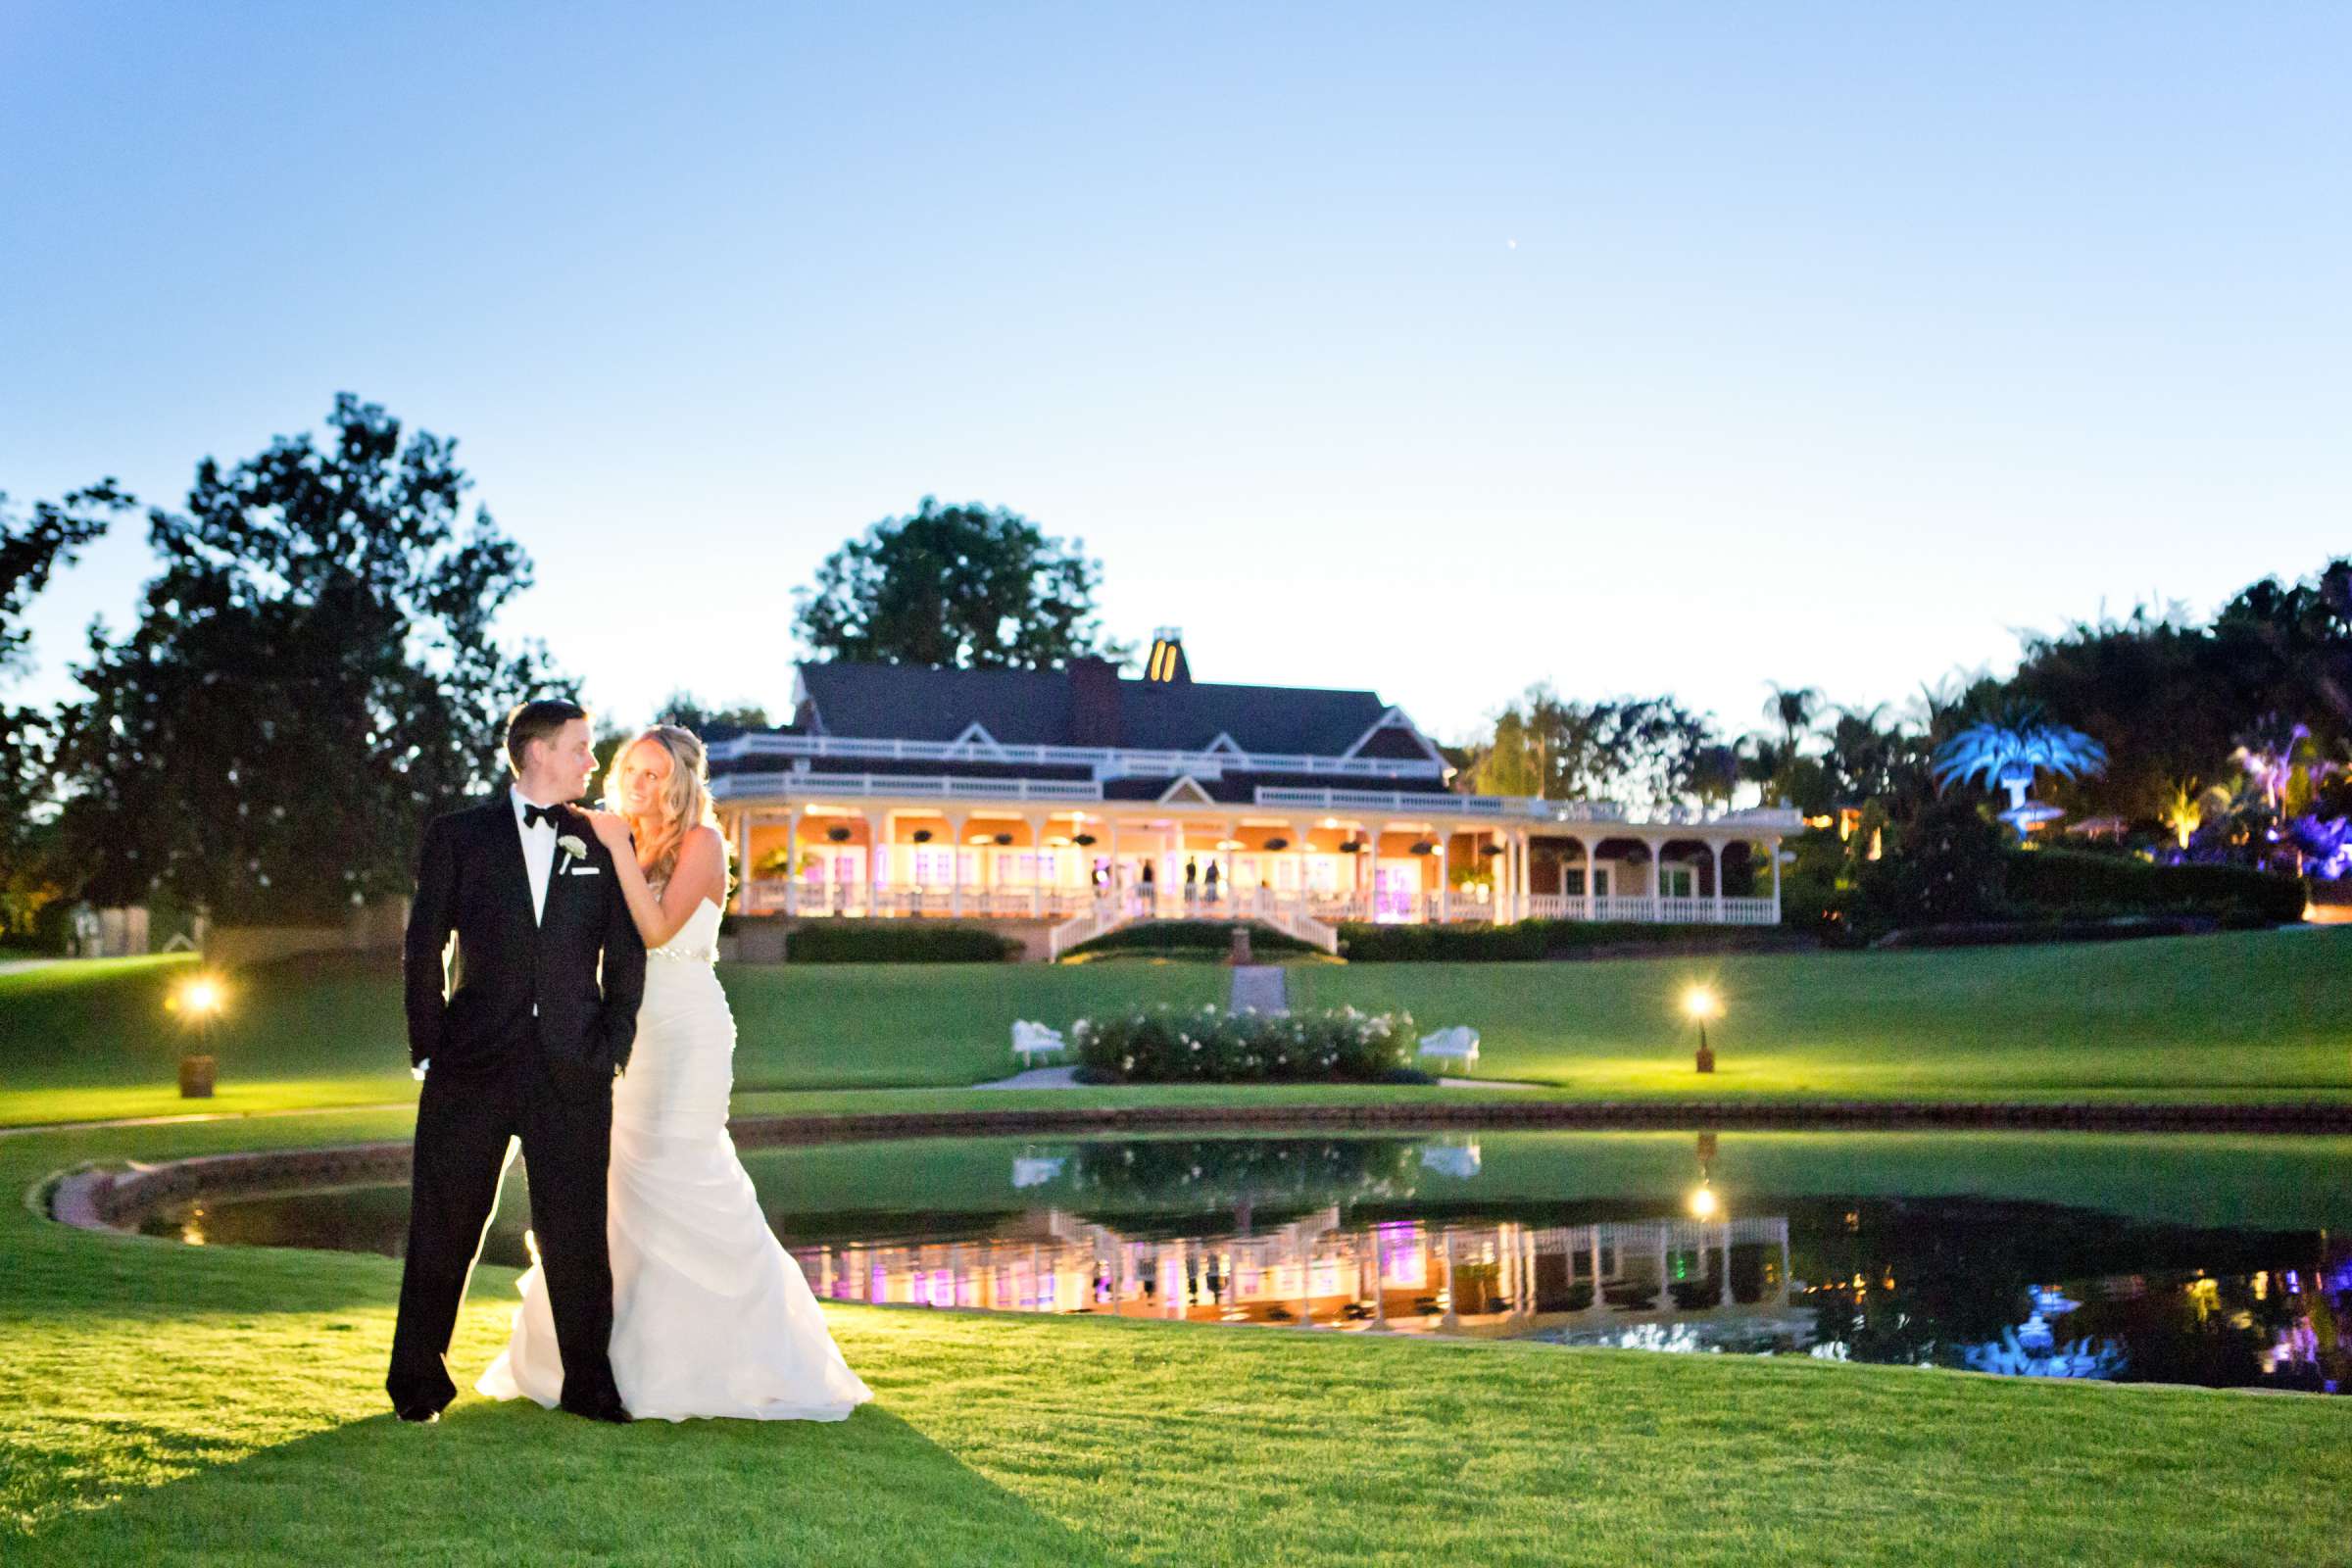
[90, 1041]
[2246, 1016]
[162, 1404]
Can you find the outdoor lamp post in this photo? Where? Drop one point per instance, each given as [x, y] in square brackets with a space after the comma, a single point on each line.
[1700, 1004]
[198, 1002]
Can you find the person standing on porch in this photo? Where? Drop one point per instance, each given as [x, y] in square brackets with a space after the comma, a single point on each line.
[1208, 883]
[1150, 888]
[1191, 879]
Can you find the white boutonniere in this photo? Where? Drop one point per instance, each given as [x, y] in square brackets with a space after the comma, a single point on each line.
[574, 850]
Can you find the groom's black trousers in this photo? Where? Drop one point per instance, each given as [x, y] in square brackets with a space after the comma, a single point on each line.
[463, 1125]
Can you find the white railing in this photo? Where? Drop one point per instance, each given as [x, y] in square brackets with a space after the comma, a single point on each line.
[1522, 807]
[1100, 918]
[1108, 761]
[917, 786]
[1311, 919]
[1286, 917]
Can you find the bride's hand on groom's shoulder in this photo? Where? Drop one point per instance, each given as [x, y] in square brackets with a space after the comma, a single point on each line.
[612, 829]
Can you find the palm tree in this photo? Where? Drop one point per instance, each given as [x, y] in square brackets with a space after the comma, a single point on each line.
[1861, 757]
[2267, 750]
[1794, 709]
[2005, 750]
[2185, 811]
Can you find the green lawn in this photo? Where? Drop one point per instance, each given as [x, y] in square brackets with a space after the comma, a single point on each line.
[85, 1041]
[2252, 1015]
[2249, 1016]
[163, 1405]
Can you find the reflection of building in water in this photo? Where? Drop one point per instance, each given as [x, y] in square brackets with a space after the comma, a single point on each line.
[1496, 1278]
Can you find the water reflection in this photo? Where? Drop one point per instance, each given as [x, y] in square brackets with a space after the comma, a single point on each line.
[1493, 1279]
[1622, 1240]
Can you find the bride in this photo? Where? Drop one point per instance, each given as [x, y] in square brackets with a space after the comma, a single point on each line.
[710, 1316]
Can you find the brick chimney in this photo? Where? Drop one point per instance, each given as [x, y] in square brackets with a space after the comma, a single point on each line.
[1094, 701]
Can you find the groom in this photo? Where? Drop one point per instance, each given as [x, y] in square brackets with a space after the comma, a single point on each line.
[524, 1043]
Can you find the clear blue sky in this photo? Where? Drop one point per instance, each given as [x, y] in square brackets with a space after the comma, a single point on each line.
[1434, 349]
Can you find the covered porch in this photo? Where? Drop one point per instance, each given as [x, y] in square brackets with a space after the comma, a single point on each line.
[830, 851]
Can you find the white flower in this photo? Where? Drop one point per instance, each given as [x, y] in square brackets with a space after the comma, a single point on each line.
[570, 845]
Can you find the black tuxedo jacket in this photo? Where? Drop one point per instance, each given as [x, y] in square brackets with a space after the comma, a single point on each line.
[561, 990]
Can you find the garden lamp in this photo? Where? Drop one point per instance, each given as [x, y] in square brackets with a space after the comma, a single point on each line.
[198, 1001]
[1700, 1004]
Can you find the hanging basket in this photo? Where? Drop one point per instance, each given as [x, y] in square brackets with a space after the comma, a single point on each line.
[1084, 841]
[922, 835]
[839, 835]
[1278, 843]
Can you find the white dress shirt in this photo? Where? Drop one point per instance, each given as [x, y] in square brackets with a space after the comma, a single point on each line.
[538, 849]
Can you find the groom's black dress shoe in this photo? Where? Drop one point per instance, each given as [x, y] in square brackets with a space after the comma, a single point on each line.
[422, 1415]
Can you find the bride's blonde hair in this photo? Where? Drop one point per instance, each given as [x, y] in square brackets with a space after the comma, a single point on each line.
[684, 802]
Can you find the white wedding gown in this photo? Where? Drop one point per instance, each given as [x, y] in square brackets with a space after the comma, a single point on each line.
[711, 1317]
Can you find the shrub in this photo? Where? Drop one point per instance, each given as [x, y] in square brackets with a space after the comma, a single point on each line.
[893, 942]
[2080, 883]
[1207, 937]
[1525, 940]
[1163, 1045]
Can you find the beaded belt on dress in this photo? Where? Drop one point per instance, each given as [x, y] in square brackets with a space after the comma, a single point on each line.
[683, 954]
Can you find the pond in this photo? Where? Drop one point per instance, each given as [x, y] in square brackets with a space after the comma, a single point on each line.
[2225, 1261]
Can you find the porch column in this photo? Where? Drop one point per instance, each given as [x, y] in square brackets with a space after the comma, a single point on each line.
[1774, 851]
[1715, 848]
[1657, 853]
[1723, 1296]
[1110, 838]
[1230, 834]
[743, 861]
[956, 866]
[1592, 848]
[1445, 857]
[1298, 843]
[1524, 883]
[873, 841]
[792, 859]
[1037, 853]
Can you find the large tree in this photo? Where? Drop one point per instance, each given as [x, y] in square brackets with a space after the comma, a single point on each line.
[1642, 751]
[971, 586]
[311, 676]
[31, 550]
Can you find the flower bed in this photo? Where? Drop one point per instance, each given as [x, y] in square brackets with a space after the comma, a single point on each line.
[1164, 1045]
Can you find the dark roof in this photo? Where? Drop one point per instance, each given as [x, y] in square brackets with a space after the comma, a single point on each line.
[1038, 707]
[923, 703]
[1185, 716]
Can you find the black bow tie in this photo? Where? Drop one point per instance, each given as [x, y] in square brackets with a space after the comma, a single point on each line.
[533, 815]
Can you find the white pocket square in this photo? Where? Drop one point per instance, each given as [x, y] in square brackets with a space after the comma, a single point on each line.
[587, 870]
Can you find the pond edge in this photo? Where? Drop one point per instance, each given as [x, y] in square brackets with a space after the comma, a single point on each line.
[99, 1198]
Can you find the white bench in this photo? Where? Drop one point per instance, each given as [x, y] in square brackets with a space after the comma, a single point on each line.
[1456, 1045]
[1031, 1041]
